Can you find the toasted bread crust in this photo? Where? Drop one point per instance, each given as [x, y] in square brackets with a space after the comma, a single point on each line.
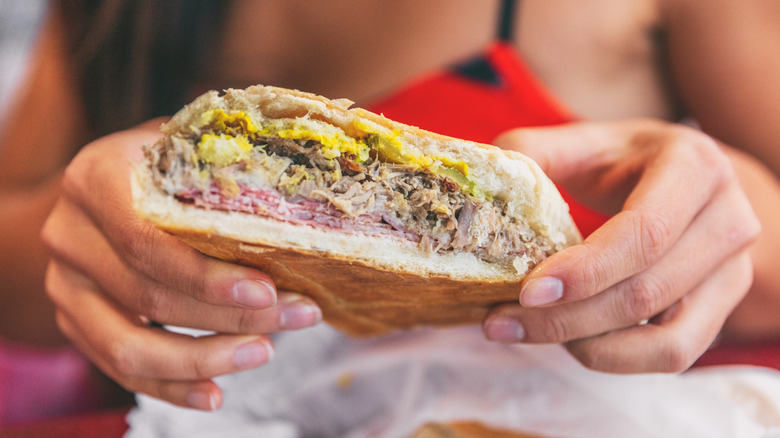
[359, 299]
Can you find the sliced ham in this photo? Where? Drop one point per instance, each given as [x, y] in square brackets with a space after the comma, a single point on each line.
[298, 210]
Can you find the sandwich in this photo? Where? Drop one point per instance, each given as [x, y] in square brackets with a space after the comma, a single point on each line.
[384, 225]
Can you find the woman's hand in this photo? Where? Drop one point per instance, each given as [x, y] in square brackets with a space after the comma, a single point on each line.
[650, 289]
[111, 274]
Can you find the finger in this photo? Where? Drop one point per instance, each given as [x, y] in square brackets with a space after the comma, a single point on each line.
[98, 183]
[92, 255]
[76, 240]
[644, 295]
[595, 162]
[204, 394]
[674, 186]
[675, 343]
[568, 152]
[72, 235]
[136, 350]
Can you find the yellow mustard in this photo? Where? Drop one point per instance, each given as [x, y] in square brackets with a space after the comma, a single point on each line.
[223, 122]
[225, 149]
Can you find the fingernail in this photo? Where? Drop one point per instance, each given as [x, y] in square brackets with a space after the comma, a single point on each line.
[504, 329]
[252, 355]
[202, 400]
[299, 313]
[541, 291]
[254, 293]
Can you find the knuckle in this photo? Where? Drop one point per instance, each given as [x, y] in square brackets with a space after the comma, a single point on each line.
[744, 233]
[48, 236]
[136, 245]
[745, 228]
[743, 274]
[676, 356]
[654, 231]
[703, 153]
[121, 358]
[645, 297]
[589, 354]
[742, 225]
[57, 241]
[51, 284]
[77, 175]
[64, 325]
[746, 274]
[554, 330]
[196, 278]
[167, 391]
[130, 385]
[196, 281]
[595, 274]
[60, 285]
[72, 176]
[200, 367]
[752, 227]
[151, 303]
[248, 321]
[710, 154]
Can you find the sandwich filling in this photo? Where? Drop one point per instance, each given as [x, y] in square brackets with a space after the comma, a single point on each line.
[311, 173]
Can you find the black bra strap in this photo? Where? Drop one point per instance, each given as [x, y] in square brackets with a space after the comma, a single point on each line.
[480, 68]
[506, 20]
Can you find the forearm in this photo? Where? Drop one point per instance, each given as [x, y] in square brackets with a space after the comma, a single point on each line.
[26, 314]
[756, 318]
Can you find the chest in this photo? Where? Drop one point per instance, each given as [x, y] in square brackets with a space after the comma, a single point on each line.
[602, 58]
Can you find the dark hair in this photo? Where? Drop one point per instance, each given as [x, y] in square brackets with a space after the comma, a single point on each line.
[138, 59]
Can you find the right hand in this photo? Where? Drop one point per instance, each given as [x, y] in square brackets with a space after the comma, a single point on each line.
[111, 274]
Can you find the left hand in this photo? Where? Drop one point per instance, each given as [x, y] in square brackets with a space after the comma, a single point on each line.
[650, 290]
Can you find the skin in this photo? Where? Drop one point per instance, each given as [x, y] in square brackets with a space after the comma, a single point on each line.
[685, 252]
[107, 261]
[638, 265]
[31, 164]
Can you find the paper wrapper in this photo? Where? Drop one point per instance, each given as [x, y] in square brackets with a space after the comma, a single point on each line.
[323, 385]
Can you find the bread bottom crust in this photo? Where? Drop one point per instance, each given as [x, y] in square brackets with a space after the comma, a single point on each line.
[359, 299]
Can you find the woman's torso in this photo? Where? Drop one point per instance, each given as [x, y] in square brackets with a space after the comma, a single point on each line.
[602, 60]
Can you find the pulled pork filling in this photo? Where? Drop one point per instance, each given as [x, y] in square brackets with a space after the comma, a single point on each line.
[291, 180]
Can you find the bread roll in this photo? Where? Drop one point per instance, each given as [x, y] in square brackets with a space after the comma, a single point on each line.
[386, 226]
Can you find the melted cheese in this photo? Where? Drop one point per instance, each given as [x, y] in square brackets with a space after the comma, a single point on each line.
[223, 149]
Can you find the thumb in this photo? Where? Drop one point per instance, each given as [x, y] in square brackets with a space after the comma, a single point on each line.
[569, 154]
[595, 162]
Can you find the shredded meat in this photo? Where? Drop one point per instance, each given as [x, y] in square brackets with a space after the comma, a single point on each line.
[291, 180]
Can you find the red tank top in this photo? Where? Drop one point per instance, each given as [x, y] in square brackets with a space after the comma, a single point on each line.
[507, 95]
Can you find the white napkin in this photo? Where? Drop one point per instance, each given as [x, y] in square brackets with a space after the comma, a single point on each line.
[321, 384]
